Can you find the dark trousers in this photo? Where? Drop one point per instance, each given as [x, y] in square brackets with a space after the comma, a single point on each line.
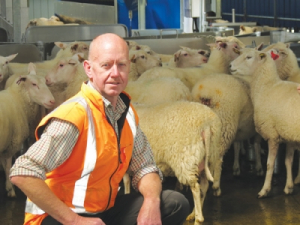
[174, 210]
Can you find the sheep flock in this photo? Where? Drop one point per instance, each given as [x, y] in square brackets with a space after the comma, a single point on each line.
[193, 105]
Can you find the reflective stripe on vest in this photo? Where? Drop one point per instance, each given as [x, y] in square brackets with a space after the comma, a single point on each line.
[89, 161]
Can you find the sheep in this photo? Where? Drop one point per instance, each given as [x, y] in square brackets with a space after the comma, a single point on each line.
[140, 62]
[228, 98]
[218, 62]
[187, 57]
[285, 60]
[146, 48]
[66, 77]
[230, 39]
[271, 98]
[249, 30]
[157, 90]
[66, 50]
[184, 138]
[19, 105]
[5, 70]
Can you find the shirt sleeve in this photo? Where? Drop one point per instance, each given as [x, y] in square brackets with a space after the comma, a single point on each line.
[142, 160]
[49, 152]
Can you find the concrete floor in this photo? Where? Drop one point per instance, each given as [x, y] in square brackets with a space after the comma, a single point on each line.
[238, 204]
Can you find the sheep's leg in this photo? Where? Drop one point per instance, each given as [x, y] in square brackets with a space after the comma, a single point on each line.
[289, 187]
[217, 177]
[297, 179]
[6, 163]
[243, 150]
[126, 181]
[203, 187]
[236, 164]
[197, 211]
[257, 149]
[273, 149]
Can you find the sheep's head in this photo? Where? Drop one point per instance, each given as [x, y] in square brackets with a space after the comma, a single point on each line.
[190, 57]
[285, 59]
[247, 62]
[65, 70]
[143, 61]
[34, 86]
[4, 66]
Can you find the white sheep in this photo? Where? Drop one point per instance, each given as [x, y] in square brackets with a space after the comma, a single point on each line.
[275, 110]
[18, 108]
[157, 90]
[187, 57]
[5, 70]
[184, 137]
[146, 48]
[66, 50]
[140, 62]
[285, 60]
[221, 55]
[249, 30]
[66, 77]
[228, 98]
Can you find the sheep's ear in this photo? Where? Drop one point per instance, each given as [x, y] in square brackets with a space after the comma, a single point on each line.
[176, 56]
[137, 47]
[254, 29]
[74, 47]
[11, 57]
[61, 44]
[288, 45]
[237, 51]
[80, 57]
[31, 68]
[133, 59]
[127, 42]
[21, 78]
[242, 28]
[260, 47]
[262, 55]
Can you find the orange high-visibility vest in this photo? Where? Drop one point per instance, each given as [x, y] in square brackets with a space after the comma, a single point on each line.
[88, 180]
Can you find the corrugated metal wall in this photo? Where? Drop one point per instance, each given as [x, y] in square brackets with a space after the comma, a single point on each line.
[38, 8]
[279, 13]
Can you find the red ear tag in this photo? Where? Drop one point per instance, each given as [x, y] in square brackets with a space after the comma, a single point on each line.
[274, 56]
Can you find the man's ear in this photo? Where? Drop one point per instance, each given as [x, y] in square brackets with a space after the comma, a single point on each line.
[87, 68]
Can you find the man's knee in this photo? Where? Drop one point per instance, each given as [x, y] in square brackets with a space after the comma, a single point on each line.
[175, 203]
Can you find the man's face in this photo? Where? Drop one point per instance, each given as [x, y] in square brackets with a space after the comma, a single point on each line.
[109, 69]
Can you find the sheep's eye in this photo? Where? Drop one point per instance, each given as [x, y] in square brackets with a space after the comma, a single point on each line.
[6, 62]
[149, 53]
[185, 54]
[34, 84]
[201, 52]
[61, 65]
[142, 56]
[248, 57]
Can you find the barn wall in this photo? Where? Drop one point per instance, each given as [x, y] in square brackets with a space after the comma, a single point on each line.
[278, 13]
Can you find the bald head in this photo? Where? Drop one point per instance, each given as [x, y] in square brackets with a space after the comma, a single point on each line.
[106, 41]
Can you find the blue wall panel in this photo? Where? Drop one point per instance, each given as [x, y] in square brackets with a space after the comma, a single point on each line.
[160, 14]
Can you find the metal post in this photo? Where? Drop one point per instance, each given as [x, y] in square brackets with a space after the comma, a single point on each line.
[141, 14]
[16, 6]
[245, 10]
[275, 13]
[3, 8]
[116, 10]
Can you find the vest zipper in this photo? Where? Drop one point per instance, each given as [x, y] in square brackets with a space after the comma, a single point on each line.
[119, 161]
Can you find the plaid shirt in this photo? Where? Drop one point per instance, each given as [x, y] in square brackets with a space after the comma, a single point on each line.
[59, 138]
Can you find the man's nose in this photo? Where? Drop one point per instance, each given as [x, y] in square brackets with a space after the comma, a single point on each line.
[115, 70]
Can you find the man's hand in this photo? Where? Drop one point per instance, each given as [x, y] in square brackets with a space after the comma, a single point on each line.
[150, 213]
[80, 220]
